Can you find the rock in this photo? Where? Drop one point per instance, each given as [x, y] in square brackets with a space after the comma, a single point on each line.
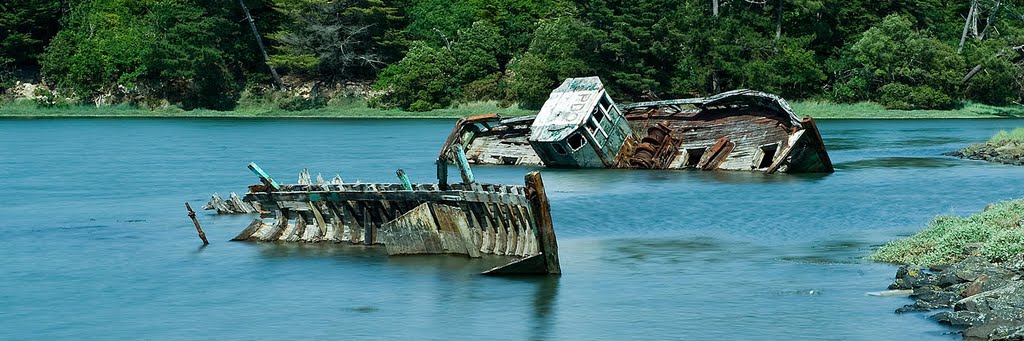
[1008, 153]
[1002, 307]
[959, 318]
[1006, 333]
[987, 298]
[980, 332]
[969, 270]
[975, 287]
[911, 278]
[939, 299]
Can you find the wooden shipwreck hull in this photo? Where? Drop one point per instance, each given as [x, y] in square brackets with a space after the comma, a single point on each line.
[468, 219]
[581, 127]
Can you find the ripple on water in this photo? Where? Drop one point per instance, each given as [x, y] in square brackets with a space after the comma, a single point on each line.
[675, 251]
[901, 162]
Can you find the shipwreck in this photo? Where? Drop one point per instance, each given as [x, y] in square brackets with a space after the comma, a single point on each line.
[466, 218]
[580, 126]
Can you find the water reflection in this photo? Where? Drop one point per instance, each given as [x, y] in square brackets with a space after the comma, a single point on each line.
[901, 162]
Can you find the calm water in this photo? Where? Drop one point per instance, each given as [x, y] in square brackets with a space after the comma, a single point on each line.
[96, 243]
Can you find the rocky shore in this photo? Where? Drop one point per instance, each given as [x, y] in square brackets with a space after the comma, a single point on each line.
[984, 298]
[1008, 152]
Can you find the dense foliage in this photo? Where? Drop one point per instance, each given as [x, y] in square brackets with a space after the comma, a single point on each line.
[428, 54]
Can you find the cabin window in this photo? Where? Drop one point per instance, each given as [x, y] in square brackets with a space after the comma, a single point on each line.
[559, 149]
[693, 156]
[598, 115]
[768, 155]
[576, 141]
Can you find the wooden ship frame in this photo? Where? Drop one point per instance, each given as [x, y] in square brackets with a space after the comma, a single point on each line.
[467, 218]
[580, 126]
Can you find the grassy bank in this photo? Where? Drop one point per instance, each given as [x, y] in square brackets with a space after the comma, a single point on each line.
[996, 232]
[866, 110]
[1015, 136]
[358, 109]
[28, 109]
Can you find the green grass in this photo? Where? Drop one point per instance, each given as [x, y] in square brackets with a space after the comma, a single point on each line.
[1005, 137]
[997, 229]
[358, 109]
[867, 110]
[351, 109]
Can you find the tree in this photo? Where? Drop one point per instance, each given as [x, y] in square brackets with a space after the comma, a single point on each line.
[26, 26]
[421, 81]
[187, 51]
[905, 68]
[339, 40]
[560, 49]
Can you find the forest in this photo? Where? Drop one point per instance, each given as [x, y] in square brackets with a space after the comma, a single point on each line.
[420, 55]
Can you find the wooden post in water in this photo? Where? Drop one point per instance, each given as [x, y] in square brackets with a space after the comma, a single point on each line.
[406, 184]
[192, 214]
[464, 170]
[541, 210]
[367, 227]
[442, 174]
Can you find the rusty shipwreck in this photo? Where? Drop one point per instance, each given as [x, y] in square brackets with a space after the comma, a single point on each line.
[466, 218]
[580, 126]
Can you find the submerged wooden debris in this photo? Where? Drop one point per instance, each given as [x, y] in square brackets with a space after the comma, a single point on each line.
[234, 205]
[466, 218]
[580, 126]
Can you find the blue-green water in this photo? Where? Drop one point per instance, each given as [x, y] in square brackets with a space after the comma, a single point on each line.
[96, 243]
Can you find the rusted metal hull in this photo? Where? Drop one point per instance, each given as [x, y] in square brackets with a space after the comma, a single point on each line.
[740, 130]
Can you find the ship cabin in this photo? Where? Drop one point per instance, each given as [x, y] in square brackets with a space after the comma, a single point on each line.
[579, 126]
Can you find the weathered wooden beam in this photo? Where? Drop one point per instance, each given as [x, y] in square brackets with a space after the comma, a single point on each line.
[532, 265]
[367, 227]
[249, 230]
[192, 214]
[266, 179]
[404, 179]
[464, 169]
[318, 217]
[442, 174]
[541, 211]
[817, 143]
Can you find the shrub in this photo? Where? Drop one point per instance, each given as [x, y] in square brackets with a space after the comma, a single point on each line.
[299, 103]
[421, 81]
[908, 68]
[904, 97]
[998, 228]
[1003, 136]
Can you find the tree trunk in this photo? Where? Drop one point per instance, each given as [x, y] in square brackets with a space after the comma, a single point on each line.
[263, 49]
[967, 25]
[778, 20]
[714, 8]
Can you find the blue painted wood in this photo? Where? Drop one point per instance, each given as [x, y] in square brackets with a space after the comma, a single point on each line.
[467, 173]
[263, 175]
[404, 179]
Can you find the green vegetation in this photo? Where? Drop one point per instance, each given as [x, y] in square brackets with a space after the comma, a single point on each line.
[997, 230]
[421, 55]
[352, 109]
[868, 110]
[1015, 136]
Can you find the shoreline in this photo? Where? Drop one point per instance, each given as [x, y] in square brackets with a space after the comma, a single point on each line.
[967, 272]
[817, 110]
